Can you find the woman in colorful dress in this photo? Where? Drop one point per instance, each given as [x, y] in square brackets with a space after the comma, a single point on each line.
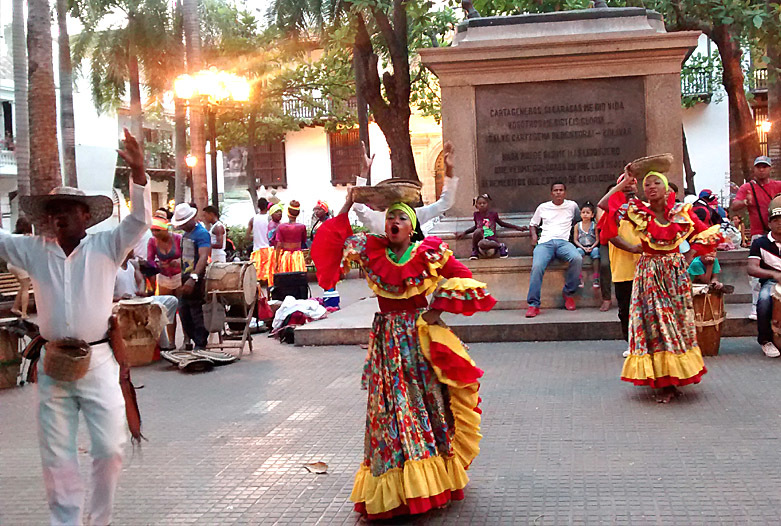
[423, 420]
[663, 350]
[289, 243]
[164, 254]
[320, 214]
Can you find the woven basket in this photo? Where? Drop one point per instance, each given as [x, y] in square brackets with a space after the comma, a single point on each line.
[655, 163]
[388, 192]
[66, 363]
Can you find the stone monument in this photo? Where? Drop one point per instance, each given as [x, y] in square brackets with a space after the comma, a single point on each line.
[569, 96]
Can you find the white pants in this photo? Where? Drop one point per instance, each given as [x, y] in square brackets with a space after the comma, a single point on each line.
[755, 285]
[99, 397]
[169, 305]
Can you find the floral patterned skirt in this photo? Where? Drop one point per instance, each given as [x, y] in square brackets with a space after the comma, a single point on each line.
[662, 336]
[422, 419]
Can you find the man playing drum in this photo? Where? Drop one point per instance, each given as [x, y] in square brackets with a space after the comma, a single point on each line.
[765, 263]
[73, 278]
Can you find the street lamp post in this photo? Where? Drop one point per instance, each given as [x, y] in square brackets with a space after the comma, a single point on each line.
[212, 88]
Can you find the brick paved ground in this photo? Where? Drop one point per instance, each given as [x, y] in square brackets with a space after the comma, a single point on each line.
[565, 442]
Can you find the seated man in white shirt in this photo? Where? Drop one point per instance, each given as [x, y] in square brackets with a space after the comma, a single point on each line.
[130, 284]
[374, 220]
[556, 218]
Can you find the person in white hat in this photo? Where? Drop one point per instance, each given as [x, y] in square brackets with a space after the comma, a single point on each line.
[73, 278]
[196, 248]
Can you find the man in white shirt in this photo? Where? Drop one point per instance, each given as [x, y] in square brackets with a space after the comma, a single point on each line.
[556, 218]
[374, 220]
[73, 277]
[257, 230]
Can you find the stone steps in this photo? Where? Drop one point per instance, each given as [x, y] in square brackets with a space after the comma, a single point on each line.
[353, 324]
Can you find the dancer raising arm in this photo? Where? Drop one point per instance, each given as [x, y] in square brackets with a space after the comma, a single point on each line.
[422, 422]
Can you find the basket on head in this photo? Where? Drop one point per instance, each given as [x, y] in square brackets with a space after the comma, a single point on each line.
[66, 360]
[385, 193]
[655, 163]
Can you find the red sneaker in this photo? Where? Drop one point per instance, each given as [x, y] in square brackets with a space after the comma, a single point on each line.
[532, 311]
[569, 303]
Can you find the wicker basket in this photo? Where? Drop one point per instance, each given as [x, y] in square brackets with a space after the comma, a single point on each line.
[655, 163]
[66, 361]
[386, 193]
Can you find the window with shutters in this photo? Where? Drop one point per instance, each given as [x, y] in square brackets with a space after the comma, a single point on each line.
[346, 151]
[268, 163]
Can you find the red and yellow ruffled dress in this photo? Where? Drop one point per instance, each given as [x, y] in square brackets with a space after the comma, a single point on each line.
[662, 336]
[423, 420]
[262, 260]
[288, 256]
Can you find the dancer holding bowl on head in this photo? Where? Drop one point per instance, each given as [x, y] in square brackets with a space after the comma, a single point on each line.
[422, 422]
[663, 350]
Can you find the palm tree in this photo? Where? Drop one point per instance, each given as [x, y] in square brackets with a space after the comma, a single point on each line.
[180, 111]
[44, 158]
[67, 119]
[22, 137]
[192, 38]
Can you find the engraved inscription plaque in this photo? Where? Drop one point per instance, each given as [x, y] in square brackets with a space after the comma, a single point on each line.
[581, 132]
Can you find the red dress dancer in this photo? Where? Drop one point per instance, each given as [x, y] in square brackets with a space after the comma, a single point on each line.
[423, 420]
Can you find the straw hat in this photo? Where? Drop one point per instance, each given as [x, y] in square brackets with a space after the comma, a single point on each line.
[34, 206]
[182, 214]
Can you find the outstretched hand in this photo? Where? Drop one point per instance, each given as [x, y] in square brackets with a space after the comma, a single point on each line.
[366, 161]
[133, 155]
[448, 154]
[432, 317]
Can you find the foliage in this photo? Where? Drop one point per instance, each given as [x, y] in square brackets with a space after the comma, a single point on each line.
[238, 235]
[711, 66]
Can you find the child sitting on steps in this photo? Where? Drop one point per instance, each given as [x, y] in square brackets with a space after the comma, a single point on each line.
[585, 236]
[484, 242]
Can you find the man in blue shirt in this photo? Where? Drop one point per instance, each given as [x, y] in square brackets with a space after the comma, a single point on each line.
[196, 247]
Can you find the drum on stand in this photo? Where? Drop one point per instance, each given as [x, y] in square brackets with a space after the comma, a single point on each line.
[236, 283]
[141, 322]
[709, 317]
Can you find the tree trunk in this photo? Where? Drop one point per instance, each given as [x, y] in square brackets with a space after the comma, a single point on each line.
[180, 114]
[363, 118]
[252, 144]
[136, 110]
[67, 119]
[393, 115]
[687, 167]
[745, 131]
[192, 38]
[21, 114]
[774, 105]
[44, 153]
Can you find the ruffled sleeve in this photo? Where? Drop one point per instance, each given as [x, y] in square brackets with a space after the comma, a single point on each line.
[704, 239]
[460, 294]
[334, 246]
[608, 223]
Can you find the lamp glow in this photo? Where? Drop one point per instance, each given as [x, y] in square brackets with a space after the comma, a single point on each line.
[190, 160]
[766, 126]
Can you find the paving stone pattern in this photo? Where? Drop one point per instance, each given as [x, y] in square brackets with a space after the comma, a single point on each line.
[565, 442]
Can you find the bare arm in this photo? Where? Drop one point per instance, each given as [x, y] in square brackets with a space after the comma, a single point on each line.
[505, 224]
[575, 237]
[624, 245]
[219, 233]
[738, 205]
[249, 227]
[755, 271]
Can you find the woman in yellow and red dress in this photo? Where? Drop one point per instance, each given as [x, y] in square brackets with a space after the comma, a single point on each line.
[423, 420]
[663, 350]
[289, 243]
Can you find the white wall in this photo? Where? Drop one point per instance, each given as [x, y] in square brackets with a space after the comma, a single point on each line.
[707, 135]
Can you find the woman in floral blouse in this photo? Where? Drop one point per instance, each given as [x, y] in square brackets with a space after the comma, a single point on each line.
[663, 350]
[422, 422]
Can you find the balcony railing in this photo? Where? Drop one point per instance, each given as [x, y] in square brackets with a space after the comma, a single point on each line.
[7, 159]
[757, 80]
[698, 83]
[320, 108]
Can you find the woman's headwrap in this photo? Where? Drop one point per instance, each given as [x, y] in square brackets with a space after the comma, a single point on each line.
[279, 207]
[413, 217]
[158, 223]
[660, 176]
[293, 209]
[321, 204]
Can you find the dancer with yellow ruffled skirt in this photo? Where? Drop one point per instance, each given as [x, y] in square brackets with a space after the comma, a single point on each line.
[662, 336]
[423, 420]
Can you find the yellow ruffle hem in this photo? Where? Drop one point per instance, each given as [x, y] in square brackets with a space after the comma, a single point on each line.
[664, 368]
[418, 479]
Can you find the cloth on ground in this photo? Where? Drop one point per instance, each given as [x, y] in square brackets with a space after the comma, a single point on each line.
[309, 308]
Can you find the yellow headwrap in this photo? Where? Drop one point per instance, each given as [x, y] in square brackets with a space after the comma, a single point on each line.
[279, 207]
[407, 210]
[660, 176]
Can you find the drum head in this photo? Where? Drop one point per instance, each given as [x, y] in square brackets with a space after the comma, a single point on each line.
[249, 283]
[700, 288]
[136, 301]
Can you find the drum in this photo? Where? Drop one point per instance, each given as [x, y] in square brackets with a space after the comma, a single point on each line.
[709, 317]
[237, 282]
[10, 360]
[775, 323]
[141, 322]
